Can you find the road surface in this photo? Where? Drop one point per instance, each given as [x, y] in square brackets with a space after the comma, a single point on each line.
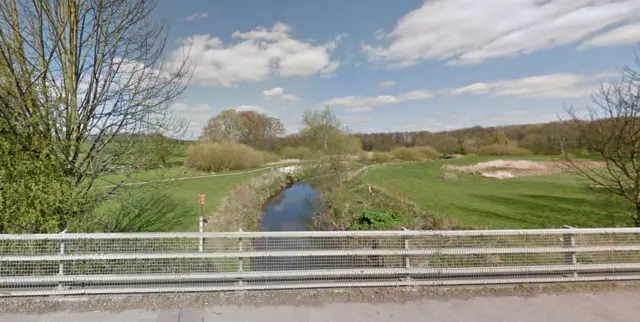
[584, 307]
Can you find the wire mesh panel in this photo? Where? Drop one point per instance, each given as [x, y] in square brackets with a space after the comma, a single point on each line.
[32, 265]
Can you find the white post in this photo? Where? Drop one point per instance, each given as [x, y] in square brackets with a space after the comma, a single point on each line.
[407, 261]
[201, 225]
[241, 259]
[569, 241]
[61, 264]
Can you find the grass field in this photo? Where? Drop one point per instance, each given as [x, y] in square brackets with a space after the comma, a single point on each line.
[547, 201]
[215, 188]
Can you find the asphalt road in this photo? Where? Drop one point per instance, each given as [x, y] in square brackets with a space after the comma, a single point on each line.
[584, 307]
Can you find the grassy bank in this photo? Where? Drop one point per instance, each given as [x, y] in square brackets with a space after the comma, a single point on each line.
[186, 191]
[472, 201]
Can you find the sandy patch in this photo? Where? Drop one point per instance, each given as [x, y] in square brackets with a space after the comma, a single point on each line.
[506, 169]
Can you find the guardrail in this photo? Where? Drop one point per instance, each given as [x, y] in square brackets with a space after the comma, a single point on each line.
[75, 264]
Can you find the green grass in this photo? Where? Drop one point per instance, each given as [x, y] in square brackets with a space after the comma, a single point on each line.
[158, 174]
[147, 175]
[215, 188]
[548, 201]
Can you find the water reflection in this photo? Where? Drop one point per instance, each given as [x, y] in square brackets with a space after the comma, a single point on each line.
[293, 210]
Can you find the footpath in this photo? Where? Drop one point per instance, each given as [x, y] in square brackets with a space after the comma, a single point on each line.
[581, 306]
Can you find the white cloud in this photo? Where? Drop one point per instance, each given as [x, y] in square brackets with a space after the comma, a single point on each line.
[330, 69]
[289, 97]
[416, 95]
[273, 93]
[197, 16]
[561, 85]
[467, 32]
[255, 108]
[278, 93]
[625, 35]
[387, 84]
[255, 55]
[361, 103]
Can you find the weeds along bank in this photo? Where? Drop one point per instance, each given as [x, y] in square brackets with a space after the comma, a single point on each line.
[359, 205]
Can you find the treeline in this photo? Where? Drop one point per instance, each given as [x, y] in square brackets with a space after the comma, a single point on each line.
[548, 138]
[265, 133]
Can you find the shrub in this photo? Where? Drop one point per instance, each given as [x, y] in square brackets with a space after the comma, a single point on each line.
[269, 156]
[379, 220]
[364, 157]
[502, 149]
[382, 157]
[299, 152]
[224, 156]
[428, 152]
[406, 154]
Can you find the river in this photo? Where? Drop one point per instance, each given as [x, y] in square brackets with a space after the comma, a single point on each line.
[292, 210]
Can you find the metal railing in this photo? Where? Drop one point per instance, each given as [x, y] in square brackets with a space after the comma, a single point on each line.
[74, 264]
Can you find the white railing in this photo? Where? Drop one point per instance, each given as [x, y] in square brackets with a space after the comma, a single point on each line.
[73, 264]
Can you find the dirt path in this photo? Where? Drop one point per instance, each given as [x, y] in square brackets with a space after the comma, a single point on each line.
[269, 166]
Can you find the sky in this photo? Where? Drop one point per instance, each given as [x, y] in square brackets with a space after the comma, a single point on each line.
[401, 65]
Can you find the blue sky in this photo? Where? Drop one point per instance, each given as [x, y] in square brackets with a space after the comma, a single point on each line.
[399, 65]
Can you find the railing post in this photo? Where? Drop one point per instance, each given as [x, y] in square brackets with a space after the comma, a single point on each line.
[407, 261]
[569, 241]
[241, 259]
[405, 239]
[201, 228]
[61, 264]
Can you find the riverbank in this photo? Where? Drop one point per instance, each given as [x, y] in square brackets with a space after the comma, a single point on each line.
[243, 208]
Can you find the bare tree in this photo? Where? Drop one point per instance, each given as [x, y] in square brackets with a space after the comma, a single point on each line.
[84, 87]
[610, 128]
[89, 77]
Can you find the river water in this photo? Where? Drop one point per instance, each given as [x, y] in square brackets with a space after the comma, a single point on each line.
[292, 210]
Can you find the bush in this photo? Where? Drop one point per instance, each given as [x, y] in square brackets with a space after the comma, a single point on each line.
[269, 157]
[382, 157]
[428, 152]
[379, 220]
[406, 154]
[224, 156]
[502, 149]
[299, 152]
[364, 157]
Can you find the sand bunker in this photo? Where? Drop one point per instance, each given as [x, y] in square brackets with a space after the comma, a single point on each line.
[505, 169]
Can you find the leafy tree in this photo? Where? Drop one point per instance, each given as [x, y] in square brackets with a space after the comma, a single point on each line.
[35, 194]
[247, 127]
[324, 132]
